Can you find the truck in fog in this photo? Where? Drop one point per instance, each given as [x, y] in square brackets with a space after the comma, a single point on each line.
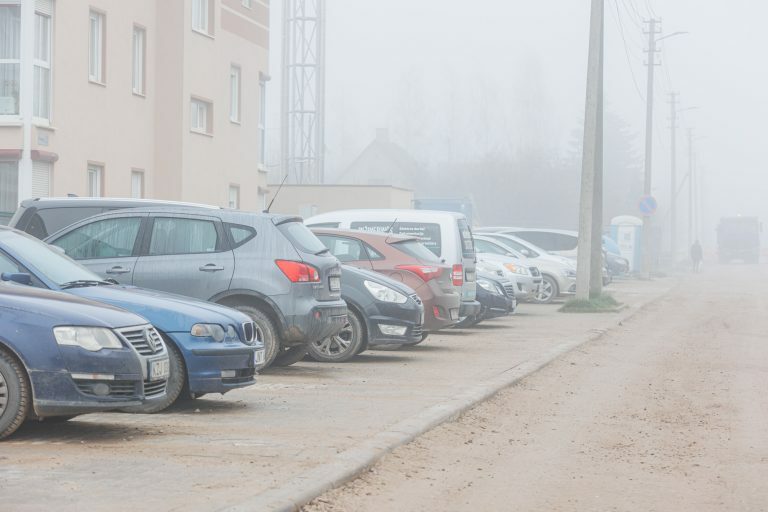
[738, 238]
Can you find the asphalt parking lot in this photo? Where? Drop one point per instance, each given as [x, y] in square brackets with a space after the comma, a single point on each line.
[219, 451]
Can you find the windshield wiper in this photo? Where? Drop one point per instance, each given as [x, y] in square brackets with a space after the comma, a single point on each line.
[322, 251]
[84, 283]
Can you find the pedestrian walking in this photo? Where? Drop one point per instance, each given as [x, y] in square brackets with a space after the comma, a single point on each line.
[697, 255]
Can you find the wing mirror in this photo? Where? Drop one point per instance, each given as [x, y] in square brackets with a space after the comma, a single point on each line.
[526, 253]
[16, 278]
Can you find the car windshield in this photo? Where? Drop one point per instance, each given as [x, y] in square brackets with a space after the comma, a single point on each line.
[417, 250]
[48, 261]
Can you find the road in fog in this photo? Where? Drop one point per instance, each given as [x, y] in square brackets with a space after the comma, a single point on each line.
[668, 412]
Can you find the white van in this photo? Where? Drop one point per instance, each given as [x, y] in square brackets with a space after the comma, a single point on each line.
[446, 234]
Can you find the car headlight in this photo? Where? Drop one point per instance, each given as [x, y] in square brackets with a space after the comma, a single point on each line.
[569, 273]
[89, 338]
[214, 331]
[384, 293]
[517, 269]
[486, 285]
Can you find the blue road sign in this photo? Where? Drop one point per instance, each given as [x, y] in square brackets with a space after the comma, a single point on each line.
[648, 205]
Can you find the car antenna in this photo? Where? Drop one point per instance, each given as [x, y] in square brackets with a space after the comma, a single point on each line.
[276, 192]
[389, 230]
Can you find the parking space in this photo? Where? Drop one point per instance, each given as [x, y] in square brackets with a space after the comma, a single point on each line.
[210, 453]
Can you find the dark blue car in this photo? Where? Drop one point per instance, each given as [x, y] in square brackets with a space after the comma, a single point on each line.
[212, 348]
[62, 355]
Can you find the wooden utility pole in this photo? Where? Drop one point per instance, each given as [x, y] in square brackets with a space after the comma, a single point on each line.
[673, 178]
[590, 208]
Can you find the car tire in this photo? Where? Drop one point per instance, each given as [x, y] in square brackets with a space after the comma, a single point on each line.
[343, 346]
[548, 291]
[290, 355]
[177, 381]
[15, 395]
[267, 332]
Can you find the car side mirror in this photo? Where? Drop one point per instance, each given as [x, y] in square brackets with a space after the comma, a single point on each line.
[526, 253]
[16, 278]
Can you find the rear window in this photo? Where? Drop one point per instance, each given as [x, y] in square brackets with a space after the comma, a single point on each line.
[428, 233]
[302, 238]
[47, 221]
[467, 245]
[416, 250]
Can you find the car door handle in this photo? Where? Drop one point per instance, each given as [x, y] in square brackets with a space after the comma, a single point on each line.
[211, 267]
[118, 270]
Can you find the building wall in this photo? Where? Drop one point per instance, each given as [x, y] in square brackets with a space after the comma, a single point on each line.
[307, 200]
[109, 125]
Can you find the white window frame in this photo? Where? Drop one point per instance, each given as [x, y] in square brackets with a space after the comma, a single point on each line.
[139, 51]
[17, 61]
[96, 45]
[201, 17]
[43, 62]
[137, 173]
[233, 197]
[95, 176]
[262, 122]
[235, 89]
[201, 119]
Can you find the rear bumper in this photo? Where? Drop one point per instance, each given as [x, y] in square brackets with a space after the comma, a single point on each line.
[469, 308]
[316, 322]
[215, 367]
[441, 311]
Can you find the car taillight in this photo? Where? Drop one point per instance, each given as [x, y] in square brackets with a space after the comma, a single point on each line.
[425, 272]
[298, 272]
[458, 275]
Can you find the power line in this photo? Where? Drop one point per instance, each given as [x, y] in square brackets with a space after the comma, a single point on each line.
[626, 51]
[636, 19]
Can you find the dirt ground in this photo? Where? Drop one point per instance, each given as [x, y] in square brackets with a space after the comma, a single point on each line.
[666, 412]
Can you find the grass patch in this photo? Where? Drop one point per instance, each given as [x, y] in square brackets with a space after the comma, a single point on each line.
[605, 303]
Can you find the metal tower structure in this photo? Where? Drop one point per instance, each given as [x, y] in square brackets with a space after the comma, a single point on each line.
[302, 139]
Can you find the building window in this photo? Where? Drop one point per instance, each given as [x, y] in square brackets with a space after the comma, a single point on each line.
[201, 116]
[10, 58]
[202, 16]
[41, 178]
[42, 67]
[95, 180]
[262, 122]
[137, 184]
[97, 39]
[139, 60]
[234, 197]
[234, 94]
[9, 186]
[247, 4]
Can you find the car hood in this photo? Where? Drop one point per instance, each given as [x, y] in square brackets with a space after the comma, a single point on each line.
[166, 311]
[56, 308]
[376, 277]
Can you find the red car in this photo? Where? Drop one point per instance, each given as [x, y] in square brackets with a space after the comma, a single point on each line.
[405, 259]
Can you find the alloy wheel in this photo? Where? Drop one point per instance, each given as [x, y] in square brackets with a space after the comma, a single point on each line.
[3, 394]
[338, 343]
[545, 291]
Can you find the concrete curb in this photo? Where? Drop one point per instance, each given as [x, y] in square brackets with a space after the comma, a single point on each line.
[305, 487]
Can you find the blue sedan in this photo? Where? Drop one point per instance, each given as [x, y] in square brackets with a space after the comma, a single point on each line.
[62, 355]
[212, 348]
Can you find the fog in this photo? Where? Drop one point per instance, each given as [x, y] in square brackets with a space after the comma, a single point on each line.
[463, 85]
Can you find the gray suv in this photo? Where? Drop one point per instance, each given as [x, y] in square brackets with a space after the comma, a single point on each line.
[268, 266]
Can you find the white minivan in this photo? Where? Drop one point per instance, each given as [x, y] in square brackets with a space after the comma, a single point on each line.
[446, 234]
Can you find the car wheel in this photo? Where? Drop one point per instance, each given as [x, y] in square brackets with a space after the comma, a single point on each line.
[548, 291]
[343, 346]
[176, 383]
[266, 332]
[290, 355]
[15, 396]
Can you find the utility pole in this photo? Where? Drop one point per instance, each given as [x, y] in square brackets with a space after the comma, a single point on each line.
[673, 178]
[590, 219]
[690, 187]
[652, 32]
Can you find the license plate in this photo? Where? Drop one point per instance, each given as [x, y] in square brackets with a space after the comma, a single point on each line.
[258, 357]
[454, 314]
[335, 283]
[159, 370]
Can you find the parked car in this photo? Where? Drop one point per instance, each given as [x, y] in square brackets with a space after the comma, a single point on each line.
[494, 300]
[446, 234]
[523, 272]
[404, 259]
[270, 267]
[558, 273]
[62, 356]
[554, 241]
[212, 349]
[381, 311]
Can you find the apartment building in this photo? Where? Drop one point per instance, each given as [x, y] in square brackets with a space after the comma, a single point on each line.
[143, 98]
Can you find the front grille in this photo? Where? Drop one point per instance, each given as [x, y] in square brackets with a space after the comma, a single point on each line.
[144, 339]
[535, 272]
[117, 388]
[249, 331]
[509, 289]
[417, 331]
[152, 389]
[416, 299]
